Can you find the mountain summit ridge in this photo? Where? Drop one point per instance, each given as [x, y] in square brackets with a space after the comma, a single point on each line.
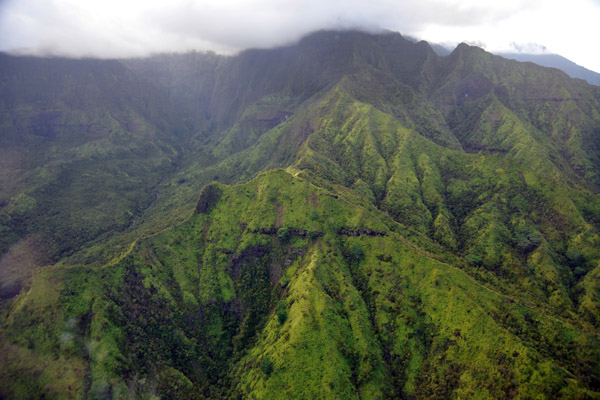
[349, 216]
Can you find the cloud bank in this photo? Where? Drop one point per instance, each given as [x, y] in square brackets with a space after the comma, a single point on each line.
[126, 28]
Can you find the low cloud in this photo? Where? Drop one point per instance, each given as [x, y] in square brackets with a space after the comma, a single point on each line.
[110, 28]
[528, 48]
[127, 28]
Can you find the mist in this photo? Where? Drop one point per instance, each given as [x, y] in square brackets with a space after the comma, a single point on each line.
[115, 29]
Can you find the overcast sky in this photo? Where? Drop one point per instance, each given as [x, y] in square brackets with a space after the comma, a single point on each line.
[126, 28]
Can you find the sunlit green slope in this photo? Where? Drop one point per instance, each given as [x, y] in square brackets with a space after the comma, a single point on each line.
[280, 289]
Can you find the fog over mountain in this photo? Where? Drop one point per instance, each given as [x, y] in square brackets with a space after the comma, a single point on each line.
[535, 54]
[557, 61]
[135, 28]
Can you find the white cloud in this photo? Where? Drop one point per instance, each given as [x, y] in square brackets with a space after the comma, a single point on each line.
[121, 28]
[565, 28]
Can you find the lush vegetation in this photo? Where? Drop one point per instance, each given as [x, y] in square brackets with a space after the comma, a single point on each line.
[349, 217]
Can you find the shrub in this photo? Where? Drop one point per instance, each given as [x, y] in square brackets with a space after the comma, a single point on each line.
[312, 235]
[575, 258]
[284, 234]
[266, 366]
[209, 197]
[281, 312]
[579, 272]
[314, 215]
[356, 253]
[474, 260]
[526, 238]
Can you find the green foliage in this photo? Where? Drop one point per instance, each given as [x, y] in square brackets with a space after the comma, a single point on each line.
[474, 260]
[356, 253]
[284, 234]
[21, 205]
[253, 289]
[266, 365]
[209, 196]
[281, 312]
[575, 258]
[579, 272]
[526, 238]
[312, 235]
[434, 233]
[398, 323]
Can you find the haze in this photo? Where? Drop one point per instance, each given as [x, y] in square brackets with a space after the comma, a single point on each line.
[128, 28]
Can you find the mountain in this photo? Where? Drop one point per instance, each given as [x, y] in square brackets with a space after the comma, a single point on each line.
[556, 61]
[545, 60]
[439, 49]
[83, 143]
[350, 216]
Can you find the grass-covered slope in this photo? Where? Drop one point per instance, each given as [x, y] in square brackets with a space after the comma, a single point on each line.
[280, 289]
[381, 223]
[516, 210]
[82, 145]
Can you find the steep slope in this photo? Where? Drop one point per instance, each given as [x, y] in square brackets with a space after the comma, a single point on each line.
[517, 206]
[278, 286]
[434, 234]
[83, 143]
[269, 95]
[563, 112]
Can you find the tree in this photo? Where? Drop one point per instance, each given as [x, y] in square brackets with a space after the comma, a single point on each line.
[266, 365]
[575, 258]
[356, 253]
[284, 235]
[526, 238]
[281, 312]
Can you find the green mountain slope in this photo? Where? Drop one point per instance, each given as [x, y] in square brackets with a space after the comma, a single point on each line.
[386, 223]
[557, 61]
[83, 145]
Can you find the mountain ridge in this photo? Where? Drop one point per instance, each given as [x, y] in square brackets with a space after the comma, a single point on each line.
[407, 224]
[556, 61]
[549, 60]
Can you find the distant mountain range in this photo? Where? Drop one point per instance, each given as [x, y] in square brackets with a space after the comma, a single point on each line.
[349, 217]
[559, 62]
[545, 60]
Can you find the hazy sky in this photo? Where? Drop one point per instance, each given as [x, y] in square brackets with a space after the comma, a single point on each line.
[125, 28]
